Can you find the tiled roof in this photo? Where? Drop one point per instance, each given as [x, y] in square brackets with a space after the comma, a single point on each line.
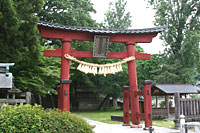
[180, 88]
[103, 31]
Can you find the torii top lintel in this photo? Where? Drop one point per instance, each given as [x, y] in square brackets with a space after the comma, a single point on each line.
[69, 33]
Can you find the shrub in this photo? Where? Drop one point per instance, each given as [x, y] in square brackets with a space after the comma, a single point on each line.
[34, 119]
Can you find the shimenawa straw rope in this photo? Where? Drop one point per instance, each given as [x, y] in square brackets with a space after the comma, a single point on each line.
[104, 69]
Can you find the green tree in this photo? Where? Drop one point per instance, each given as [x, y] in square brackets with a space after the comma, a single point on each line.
[68, 12]
[146, 68]
[19, 41]
[116, 16]
[181, 39]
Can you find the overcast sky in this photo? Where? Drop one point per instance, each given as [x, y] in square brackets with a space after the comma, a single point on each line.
[142, 17]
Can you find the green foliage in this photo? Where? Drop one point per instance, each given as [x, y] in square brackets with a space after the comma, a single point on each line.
[194, 96]
[68, 12]
[112, 84]
[145, 68]
[173, 74]
[19, 41]
[181, 39]
[35, 119]
[116, 16]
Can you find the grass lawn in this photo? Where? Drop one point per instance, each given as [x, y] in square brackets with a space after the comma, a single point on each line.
[102, 116]
[105, 116]
[163, 123]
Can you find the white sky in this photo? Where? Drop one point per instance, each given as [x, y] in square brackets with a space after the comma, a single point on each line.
[142, 17]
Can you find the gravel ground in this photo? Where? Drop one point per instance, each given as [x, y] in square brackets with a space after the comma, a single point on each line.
[118, 128]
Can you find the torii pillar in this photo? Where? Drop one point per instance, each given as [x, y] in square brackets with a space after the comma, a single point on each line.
[133, 84]
[64, 95]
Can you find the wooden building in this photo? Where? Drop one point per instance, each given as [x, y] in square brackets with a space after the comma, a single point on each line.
[167, 90]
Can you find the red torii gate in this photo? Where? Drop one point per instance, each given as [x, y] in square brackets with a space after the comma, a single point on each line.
[129, 37]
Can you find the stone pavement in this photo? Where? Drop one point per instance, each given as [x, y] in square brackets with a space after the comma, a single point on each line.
[118, 128]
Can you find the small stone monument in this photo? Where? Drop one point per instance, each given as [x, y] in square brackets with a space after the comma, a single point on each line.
[8, 91]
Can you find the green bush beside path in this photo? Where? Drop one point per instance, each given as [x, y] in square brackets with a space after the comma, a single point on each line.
[35, 119]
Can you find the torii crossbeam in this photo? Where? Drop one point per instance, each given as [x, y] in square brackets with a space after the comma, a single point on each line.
[68, 33]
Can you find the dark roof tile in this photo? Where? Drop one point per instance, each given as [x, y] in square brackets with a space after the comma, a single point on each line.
[180, 88]
[104, 31]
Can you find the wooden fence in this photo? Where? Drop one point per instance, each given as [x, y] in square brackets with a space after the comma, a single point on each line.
[189, 107]
[25, 99]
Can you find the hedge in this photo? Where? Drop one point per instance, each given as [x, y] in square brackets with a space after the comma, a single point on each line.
[35, 119]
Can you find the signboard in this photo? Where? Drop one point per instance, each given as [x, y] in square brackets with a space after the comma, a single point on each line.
[100, 46]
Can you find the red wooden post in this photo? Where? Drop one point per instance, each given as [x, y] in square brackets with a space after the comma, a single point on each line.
[147, 103]
[64, 86]
[133, 84]
[126, 105]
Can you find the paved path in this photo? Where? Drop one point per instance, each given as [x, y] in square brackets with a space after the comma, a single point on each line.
[118, 128]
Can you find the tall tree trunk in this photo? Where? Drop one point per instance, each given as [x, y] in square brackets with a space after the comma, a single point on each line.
[40, 99]
[104, 101]
[114, 101]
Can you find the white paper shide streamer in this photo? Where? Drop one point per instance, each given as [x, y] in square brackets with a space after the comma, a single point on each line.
[91, 68]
